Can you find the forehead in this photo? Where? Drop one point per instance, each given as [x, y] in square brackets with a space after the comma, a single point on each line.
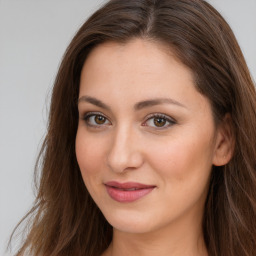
[135, 71]
[141, 47]
[137, 59]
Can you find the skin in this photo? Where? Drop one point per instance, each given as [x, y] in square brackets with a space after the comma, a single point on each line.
[127, 145]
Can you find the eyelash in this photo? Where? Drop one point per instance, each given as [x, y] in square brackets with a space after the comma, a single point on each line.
[168, 119]
[91, 114]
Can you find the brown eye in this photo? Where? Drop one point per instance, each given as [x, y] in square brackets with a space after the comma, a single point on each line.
[159, 122]
[96, 120]
[99, 119]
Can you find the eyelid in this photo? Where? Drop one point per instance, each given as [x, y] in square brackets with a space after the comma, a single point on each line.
[87, 115]
[169, 119]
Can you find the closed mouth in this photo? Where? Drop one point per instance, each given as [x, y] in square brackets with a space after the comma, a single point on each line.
[127, 192]
[128, 185]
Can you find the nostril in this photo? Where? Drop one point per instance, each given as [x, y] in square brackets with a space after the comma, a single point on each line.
[124, 153]
[122, 162]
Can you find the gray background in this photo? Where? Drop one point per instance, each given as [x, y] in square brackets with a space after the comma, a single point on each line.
[33, 38]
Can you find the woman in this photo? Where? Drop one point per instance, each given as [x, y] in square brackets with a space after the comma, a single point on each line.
[150, 147]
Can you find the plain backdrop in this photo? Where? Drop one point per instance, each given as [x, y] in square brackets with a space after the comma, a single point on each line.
[33, 38]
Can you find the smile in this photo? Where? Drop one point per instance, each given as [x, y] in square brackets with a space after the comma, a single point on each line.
[127, 192]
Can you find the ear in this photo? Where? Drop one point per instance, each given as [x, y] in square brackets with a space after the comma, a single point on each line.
[225, 142]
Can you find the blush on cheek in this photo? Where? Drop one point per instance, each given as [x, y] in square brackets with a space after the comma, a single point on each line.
[179, 160]
[168, 158]
[89, 157]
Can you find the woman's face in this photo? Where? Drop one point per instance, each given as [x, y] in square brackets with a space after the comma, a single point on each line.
[146, 137]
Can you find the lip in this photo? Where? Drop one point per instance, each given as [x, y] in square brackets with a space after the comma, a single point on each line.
[127, 192]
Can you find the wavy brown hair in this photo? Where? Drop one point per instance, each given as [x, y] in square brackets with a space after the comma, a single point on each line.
[65, 220]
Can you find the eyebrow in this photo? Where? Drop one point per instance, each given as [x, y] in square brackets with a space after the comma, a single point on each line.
[138, 106]
[93, 101]
[157, 101]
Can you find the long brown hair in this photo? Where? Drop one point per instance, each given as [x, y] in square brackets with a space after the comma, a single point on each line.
[64, 219]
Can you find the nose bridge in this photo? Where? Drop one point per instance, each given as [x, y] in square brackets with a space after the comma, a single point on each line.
[124, 152]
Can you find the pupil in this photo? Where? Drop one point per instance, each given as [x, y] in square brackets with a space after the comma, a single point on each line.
[159, 122]
[100, 119]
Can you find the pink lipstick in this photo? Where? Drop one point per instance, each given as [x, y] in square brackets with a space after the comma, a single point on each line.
[127, 192]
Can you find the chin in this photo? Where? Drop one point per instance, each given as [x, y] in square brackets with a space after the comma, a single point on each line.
[131, 222]
[131, 227]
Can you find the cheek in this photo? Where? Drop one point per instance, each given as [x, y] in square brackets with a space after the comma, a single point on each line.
[182, 159]
[90, 155]
[183, 167]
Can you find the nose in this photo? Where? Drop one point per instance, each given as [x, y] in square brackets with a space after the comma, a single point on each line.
[125, 152]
